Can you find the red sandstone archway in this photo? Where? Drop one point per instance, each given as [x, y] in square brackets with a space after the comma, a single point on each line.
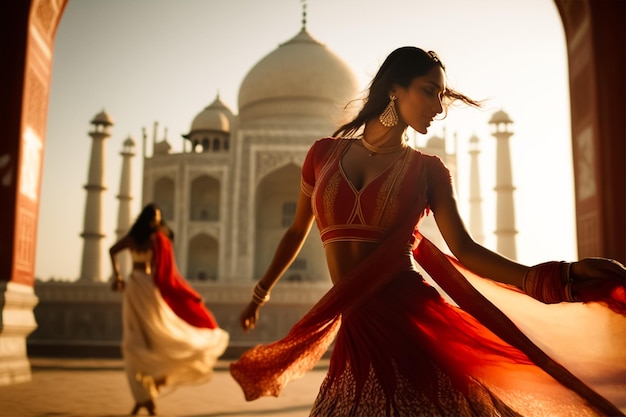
[595, 37]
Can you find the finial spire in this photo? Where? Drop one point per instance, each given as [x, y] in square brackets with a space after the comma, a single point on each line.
[303, 14]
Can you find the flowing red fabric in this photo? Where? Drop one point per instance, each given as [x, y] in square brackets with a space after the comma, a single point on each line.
[265, 369]
[612, 293]
[175, 290]
[445, 270]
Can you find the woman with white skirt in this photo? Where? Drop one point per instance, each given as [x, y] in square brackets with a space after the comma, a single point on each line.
[169, 336]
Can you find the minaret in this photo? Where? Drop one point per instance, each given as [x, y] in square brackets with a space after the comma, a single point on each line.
[505, 209]
[93, 234]
[125, 196]
[475, 197]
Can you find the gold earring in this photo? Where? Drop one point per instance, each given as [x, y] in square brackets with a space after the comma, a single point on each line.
[389, 117]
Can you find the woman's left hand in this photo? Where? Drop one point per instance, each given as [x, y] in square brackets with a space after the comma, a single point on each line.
[602, 280]
[588, 271]
[118, 285]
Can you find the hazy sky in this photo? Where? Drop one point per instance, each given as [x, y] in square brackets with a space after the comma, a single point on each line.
[165, 60]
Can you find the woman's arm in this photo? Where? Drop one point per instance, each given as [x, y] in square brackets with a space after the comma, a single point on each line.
[590, 279]
[120, 245]
[473, 256]
[286, 251]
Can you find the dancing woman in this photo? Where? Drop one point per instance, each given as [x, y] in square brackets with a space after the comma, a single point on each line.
[169, 338]
[400, 348]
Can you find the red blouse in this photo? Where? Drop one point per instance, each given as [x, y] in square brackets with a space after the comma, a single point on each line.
[344, 213]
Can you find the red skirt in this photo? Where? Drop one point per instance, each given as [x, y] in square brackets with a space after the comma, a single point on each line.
[407, 352]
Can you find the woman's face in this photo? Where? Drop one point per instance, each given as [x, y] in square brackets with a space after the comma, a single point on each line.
[420, 102]
[157, 218]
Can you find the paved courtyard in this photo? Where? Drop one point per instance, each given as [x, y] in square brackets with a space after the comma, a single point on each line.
[98, 388]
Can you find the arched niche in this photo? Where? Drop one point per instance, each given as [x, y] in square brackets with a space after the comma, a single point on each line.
[202, 258]
[205, 199]
[276, 198]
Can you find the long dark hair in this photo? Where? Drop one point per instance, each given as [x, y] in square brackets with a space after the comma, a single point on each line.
[145, 225]
[400, 67]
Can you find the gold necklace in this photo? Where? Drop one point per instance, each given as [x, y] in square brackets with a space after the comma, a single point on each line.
[373, 149]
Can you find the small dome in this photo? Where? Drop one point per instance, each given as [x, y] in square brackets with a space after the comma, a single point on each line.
[215, 117]
[474, 139]
[500, 117]
[436, 142]
[302, 77]
[128, 147]
[129, 142]
[102, 118]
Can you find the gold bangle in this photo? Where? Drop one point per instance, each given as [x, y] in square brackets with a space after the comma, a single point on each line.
[260, 295]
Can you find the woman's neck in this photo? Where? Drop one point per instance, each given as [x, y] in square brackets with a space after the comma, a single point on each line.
[377, 135]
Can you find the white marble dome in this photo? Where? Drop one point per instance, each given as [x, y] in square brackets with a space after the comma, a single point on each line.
[301, 77]
[215, 117]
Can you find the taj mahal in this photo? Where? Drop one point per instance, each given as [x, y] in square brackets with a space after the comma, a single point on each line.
[229, 195]
[231, 189]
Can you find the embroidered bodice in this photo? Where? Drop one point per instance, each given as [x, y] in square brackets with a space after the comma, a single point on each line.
[344, 213]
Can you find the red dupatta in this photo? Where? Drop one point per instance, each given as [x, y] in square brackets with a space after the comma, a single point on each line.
[265, 369]
[175, 290]
[446, 271]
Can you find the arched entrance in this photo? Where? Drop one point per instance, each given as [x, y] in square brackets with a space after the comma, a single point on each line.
[595, 43]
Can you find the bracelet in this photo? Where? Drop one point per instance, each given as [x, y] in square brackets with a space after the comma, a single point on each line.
[550, 282]
[260, 295]
[568, 281]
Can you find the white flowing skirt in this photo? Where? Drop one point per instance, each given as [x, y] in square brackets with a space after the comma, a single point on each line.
[157, 345]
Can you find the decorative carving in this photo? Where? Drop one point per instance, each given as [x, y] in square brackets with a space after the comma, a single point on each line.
[45, 15]
[35, 102]
[25, 240]
[268, 161]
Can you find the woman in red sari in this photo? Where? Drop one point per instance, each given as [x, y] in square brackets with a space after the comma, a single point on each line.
[400, 348]
[170, 338]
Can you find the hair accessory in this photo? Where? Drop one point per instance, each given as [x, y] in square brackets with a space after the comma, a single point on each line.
[389, 117]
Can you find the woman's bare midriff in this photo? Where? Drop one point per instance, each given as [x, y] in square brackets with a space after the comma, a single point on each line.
[342, 257]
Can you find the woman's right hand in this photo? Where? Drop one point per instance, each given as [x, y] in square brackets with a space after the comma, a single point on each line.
[249, 316]
[118, 285]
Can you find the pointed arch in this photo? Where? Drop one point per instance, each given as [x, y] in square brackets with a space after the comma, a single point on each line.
[276, 196]
[202, 259]
[205, 199]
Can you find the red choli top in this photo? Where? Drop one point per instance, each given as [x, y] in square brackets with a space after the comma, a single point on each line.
[344, 213]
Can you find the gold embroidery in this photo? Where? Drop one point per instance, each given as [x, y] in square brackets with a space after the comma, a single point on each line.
[388, 199]
[339, 398]
[329, 197]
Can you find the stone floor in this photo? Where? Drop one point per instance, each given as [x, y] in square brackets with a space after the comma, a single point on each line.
[97, 387]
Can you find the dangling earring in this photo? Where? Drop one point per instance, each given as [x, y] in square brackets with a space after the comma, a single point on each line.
[389, 117]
